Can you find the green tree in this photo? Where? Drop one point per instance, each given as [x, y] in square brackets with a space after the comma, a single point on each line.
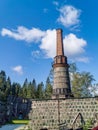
[13, 89]
[40, 91]
[8, 88]
[18, 89]
[51, 76]
[2, 80]
[29, 90]
[48, 89]
[34, 89]
[25, 88]
[86, 82]
[2, 85]
[80, 82]
[94, 89]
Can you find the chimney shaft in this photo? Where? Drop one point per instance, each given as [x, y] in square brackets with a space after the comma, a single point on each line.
[59, 49]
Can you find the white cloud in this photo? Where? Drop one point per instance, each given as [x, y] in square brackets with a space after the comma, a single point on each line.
[69, 16]
[22, 33]
[18, 69]
[48, 43]
[74, 47]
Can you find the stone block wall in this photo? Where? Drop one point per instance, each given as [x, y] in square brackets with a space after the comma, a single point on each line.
[45, 114]
[50, 113]
[88, 107]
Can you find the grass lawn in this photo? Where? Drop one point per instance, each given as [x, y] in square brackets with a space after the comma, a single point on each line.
[20, 121]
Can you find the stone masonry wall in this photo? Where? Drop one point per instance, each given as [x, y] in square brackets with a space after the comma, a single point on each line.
[50, 113]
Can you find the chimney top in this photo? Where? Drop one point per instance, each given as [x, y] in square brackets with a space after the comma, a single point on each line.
[59, 49]
[59, 30]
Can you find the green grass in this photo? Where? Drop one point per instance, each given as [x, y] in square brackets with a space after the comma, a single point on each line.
[19, 121]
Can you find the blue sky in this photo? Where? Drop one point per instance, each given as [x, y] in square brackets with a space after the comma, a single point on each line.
[28, 38]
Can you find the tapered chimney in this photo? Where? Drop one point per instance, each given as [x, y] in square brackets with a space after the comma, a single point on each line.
[61, 83]
[60, 50]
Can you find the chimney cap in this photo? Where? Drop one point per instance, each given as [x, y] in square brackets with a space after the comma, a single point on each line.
[59, 30]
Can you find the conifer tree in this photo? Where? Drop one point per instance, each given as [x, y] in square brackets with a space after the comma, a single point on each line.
[25, 88]
[8, 89]
[40, 91]
[48, 89]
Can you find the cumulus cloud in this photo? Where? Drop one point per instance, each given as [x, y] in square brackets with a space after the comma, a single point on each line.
[22, 33]
[74, 47]
[69, 16]
[18, 69]
[48, 43]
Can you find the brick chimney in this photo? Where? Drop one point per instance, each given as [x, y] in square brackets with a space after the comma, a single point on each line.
[61, 83]
[60, 50]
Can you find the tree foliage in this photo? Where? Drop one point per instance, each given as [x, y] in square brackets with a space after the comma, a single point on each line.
[81, 82]
[48, 89]
[28, 90]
